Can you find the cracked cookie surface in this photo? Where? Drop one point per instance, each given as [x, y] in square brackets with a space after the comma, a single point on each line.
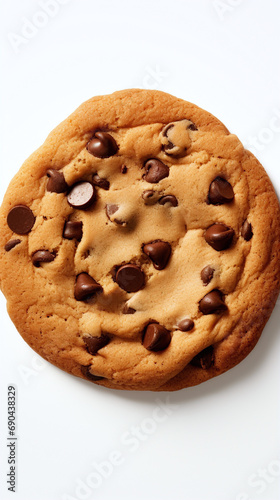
[140, 245]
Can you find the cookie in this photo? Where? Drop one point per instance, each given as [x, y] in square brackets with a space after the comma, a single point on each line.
[140, 245]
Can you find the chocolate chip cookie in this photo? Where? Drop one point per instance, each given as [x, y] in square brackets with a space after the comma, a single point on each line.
[140, 245]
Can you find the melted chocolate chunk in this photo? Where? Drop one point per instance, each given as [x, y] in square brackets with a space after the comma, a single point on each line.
[56, 182]
[82, 195]
[246, 231]
[192, 127]
[156, 337]
[128, 310]
[102, 183]
[73, 230]
[204, 359]
[130, 278]
[94, 344]
[159, 253]
[166, 130]
[86, 372]
[173, 145]
[102, 145]
[42, 256]
[11, 244]
[207, 274]
[20, 219]
[150, 197]
[155, 171]
[111, 209]
[185, 325]
[212, 303]
[86, 287]
[219, 236]
[169, 198]
[220, 191]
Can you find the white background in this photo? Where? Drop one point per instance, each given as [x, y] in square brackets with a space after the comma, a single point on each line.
[219, 441]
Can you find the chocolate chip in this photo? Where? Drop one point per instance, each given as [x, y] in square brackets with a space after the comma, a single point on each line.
[166, 129]
[86, 287]
[82, 195]
[42, 256]
[86, 372]
[219, 236]
[128, 310]
[73, 230]
[220, 192]
[212, 302]
[204, 359]
[156, 337]
[246, 230]
[155, 171]
[207, 274]
[169, 148]
[56, 182]
[93, 344]
[20, 219]
[11, 244]
[86, 253]
[102, 183]
[192, 127]
[159, 253]
[123, 169]
[185, 325]
[169, 198]
[111, 209]
[150, 197]
[130, 278]
[176, 139]
[102, 145]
